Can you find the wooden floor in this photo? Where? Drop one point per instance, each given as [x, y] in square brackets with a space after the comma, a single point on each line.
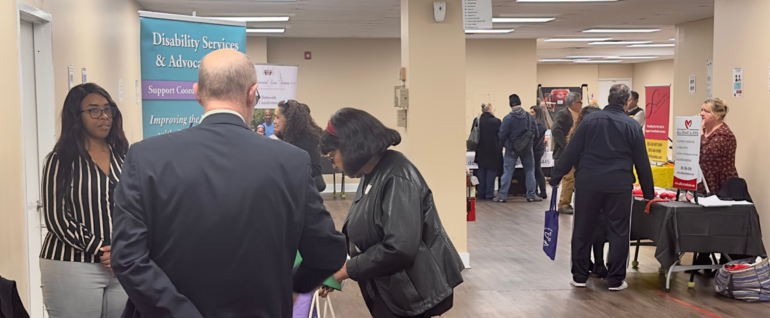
[512, 277]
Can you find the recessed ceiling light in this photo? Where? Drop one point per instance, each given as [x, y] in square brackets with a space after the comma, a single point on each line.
[592, 57]
[578, 40]
[654, 45]
[619, 42]
[254, 19]
[275, 31]
[522, 20]
[621, 30]
[637, 57]
[567, 0]
[489, 31]
[556, 60]
[598, 61]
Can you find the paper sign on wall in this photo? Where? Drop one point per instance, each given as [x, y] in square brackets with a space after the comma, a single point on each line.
[71, 75]
[737, 82]
[477, 14]
[83, 74]
[687, 147]
[692, 84]
[120, 90]
[709, 77]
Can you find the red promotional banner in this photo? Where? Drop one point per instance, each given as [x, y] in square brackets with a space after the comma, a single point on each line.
[656, 124]
[657, 110]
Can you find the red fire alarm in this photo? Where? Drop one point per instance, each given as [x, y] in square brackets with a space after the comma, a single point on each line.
[308, 55]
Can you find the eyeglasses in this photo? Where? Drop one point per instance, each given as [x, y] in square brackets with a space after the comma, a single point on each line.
[96, 113]
[330, 157]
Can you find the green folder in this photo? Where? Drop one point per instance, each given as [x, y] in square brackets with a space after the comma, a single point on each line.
[329, 282]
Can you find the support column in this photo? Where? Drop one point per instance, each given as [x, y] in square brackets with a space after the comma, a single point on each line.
[742, 40]
[434, 56]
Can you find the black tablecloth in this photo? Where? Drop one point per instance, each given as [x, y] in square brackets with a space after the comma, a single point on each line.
[679, 227]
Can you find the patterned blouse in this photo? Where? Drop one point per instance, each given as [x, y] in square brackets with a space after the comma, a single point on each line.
[717, 159]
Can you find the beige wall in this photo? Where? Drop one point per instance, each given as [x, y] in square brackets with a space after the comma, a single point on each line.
[358, 73]
[256, 48]
[494, 70]
[103, 37]
[742, 40]
[616, 70]
[653, 73]
[695, 47]
[13, 255]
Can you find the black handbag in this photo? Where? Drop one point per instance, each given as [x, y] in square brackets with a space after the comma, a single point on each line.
[524, 142]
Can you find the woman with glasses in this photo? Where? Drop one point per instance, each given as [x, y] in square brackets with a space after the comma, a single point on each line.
[78, 183]
[400, 254]
[294, 125]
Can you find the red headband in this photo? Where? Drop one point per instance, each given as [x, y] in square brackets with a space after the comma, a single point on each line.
[330, 129]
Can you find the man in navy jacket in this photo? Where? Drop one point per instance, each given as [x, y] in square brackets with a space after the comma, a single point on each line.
[518, 126]
[604, 151]
[208, 220]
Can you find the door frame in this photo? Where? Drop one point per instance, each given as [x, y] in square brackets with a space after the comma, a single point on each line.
[46, 134]
[630, 85]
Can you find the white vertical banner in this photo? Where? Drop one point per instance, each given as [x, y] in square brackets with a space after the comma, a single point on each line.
[709, 78]
[276, 83]
[687, 148]
[477, 14]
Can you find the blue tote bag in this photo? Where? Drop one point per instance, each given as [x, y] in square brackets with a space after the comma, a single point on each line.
[551, 230]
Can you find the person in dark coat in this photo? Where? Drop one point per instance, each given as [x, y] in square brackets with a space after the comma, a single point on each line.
[539, 148]
[489, 153]
[564, 121]
[208, 220]
[604, 150]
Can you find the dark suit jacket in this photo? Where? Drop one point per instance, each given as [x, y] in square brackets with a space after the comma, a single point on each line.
[489, 152]
[560, 130]
[208, 221]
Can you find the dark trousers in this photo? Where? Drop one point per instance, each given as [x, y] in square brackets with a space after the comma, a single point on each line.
[486, 188]
[539, 175]
[617, 212]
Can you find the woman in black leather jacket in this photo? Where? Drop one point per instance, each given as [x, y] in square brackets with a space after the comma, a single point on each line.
[400, 255]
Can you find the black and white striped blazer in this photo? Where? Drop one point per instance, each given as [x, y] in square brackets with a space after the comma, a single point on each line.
[81, 224]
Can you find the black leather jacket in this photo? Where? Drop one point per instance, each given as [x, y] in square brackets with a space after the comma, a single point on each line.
[396, 241]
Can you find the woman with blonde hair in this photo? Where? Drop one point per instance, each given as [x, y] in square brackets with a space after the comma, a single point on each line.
[717, 148]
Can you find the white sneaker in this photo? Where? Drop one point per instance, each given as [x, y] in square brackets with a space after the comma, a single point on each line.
[619, 288]
[578, 285]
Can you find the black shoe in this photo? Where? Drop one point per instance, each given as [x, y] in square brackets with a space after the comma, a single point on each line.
[499, 200]
[543, 196]
[535, 199]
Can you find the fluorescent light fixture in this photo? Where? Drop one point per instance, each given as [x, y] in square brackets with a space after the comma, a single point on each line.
[273, 31]
[637, 57]
[522, 20]
[254, 19]
[598, 61]
[489, 31]
[556, 60]
[621, 30]
[672, 39]
[552, 1]
[619, 42]
[592, 57]
[578, 40]
[654, 45]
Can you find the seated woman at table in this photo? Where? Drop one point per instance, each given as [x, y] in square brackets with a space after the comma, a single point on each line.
[717, 149]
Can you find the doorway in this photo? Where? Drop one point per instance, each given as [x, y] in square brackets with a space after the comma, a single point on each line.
[604, 88]
[37, 128]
